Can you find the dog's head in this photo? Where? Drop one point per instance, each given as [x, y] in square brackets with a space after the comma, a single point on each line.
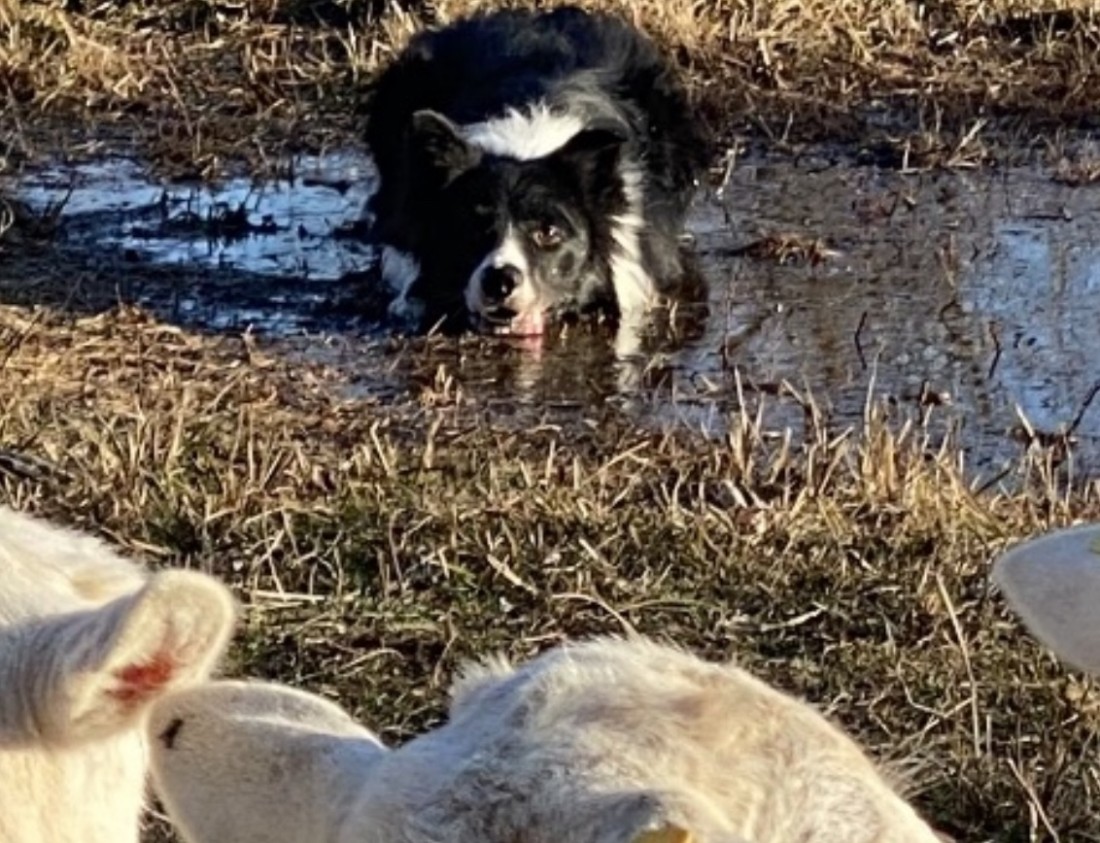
[518, 239]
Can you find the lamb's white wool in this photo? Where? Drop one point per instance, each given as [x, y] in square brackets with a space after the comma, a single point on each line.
[634, 289]
[258, 763]
[606, 742]
[1053, 582]
[87, 642]
[524, 135]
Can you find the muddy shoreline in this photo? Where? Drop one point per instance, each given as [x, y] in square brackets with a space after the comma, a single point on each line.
[974, 290]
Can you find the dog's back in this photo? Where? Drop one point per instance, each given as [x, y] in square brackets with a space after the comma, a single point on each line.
[483, 65]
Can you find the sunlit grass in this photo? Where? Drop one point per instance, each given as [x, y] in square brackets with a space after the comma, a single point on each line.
[376, 545]
[202, 82]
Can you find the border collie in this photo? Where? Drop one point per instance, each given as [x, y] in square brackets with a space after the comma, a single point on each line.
[531, 164]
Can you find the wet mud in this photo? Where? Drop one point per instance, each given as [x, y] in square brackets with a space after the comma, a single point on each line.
[973, 294]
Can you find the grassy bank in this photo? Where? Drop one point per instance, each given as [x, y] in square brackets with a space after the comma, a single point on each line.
[376, 545]
[198, 83]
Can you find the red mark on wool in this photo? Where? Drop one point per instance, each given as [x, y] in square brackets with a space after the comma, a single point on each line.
[139, 681]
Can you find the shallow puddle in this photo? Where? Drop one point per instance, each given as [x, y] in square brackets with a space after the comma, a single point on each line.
[281, 228]
[980, 287]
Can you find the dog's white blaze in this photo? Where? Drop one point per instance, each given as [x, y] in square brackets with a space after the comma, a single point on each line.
[508, 253]
[634, 289]
[524, 135]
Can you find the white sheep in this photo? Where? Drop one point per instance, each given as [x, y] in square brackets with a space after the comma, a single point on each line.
[1053, 582]
[87, 642]
[609, 741]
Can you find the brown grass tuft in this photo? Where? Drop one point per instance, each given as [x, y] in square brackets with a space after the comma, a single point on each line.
[202, 83]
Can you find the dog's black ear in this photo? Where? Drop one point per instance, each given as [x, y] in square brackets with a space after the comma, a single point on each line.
[440, 144]
[595, 152]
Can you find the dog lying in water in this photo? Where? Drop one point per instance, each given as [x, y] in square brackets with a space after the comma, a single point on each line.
[531, 164]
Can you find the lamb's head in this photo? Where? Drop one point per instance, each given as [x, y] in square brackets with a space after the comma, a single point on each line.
[262, 763]
[92, 673]
[258, 763]
[1053, 582]
[88, 641]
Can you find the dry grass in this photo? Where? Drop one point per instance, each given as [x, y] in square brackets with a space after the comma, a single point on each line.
[203, 82]
[376, 545]
[787, 247]
[1078, 171]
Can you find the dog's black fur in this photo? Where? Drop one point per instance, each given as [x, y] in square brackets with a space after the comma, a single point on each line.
[449, 201]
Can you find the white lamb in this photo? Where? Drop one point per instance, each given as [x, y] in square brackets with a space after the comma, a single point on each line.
[87, 642]
[609, 741]
[1053, 582]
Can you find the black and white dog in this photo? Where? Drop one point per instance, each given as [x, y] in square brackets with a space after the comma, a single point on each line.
[530, 163]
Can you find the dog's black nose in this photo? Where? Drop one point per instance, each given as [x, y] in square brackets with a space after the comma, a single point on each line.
[498, 282]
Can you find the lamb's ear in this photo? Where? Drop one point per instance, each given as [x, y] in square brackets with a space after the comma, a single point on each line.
[440, 145]
[90, 674]
[257, 763]
[1053, 582]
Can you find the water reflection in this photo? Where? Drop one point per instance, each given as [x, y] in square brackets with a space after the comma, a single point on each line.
[981, 285]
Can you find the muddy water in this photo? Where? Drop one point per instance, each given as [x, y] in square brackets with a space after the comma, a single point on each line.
[982, 288]
[238, 253]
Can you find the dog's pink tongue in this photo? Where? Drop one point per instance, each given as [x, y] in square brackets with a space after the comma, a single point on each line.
[528, 324]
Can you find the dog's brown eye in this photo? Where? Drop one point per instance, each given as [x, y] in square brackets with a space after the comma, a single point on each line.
[548, 237]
